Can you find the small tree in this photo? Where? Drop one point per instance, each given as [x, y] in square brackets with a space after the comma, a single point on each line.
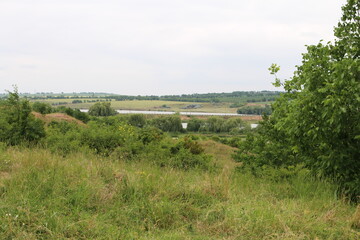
[43, 108]
[17, 124]
[102, 109]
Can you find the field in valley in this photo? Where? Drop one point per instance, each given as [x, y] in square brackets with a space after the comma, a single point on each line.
[151, 105]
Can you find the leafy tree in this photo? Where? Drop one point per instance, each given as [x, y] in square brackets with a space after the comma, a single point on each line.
[316, 121]
[43, 108]
[102, 109]
[168, 123]
[194, 124]
[234, 125]
[17, 124]
[214, 124]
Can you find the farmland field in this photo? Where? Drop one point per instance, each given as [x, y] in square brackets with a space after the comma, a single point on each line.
[152, 105]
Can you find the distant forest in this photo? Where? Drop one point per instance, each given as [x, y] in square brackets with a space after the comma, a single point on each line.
[233, 97]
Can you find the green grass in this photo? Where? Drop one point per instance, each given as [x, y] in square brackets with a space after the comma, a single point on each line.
[155, 105]
[83, 196]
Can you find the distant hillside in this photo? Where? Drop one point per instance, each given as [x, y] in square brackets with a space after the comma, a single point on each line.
[233, 97]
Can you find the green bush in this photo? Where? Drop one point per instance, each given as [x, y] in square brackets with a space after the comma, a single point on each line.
[137, 120]
[43, 108]
[150, 134]
[102, 139]
[63, 137]
[17, 124]
[185, 159]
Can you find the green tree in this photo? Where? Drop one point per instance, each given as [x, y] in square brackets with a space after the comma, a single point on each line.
[43, 108]
[316, 121]
[17, 124]
[102, 109]
[168, 123]
[194, 124]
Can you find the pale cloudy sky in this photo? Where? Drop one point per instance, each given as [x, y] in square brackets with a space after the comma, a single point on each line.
[143, 47]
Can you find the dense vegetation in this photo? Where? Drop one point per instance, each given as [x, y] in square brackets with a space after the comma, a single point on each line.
[255, 110]
[122, 177]
[218, 125]
[316, 124]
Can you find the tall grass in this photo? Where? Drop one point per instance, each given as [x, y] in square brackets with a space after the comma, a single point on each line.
[84, 196]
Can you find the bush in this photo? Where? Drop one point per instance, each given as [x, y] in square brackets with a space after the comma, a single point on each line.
[102, 139]
[184, 159]
[17, 124]
[150, 134]
[63, 137]
[137, 120]
[43, 108]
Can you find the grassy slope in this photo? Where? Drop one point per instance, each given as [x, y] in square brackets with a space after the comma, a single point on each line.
[44, 196]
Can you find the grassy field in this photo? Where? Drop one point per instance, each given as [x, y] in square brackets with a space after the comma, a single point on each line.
[84, 196]
[152, 105]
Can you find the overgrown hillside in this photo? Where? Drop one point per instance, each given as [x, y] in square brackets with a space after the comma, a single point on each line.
[86, 196]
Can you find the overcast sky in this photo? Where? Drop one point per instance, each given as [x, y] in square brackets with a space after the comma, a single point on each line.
[143, 47]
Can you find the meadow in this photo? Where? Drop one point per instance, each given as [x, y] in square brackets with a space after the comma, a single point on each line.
[85, 196]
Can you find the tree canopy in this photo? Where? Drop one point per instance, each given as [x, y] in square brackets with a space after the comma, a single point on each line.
[317, 120]
[102, 109]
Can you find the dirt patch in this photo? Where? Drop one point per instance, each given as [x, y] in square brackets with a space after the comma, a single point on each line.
[251, 118]
[47, 118]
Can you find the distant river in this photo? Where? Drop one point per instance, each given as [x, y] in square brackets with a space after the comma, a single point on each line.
[169, 113]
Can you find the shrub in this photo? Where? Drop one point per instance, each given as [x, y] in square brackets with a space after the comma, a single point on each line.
[17, 124]
[43, 108]
[63, 137]
[102, 139]
[137, 120]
